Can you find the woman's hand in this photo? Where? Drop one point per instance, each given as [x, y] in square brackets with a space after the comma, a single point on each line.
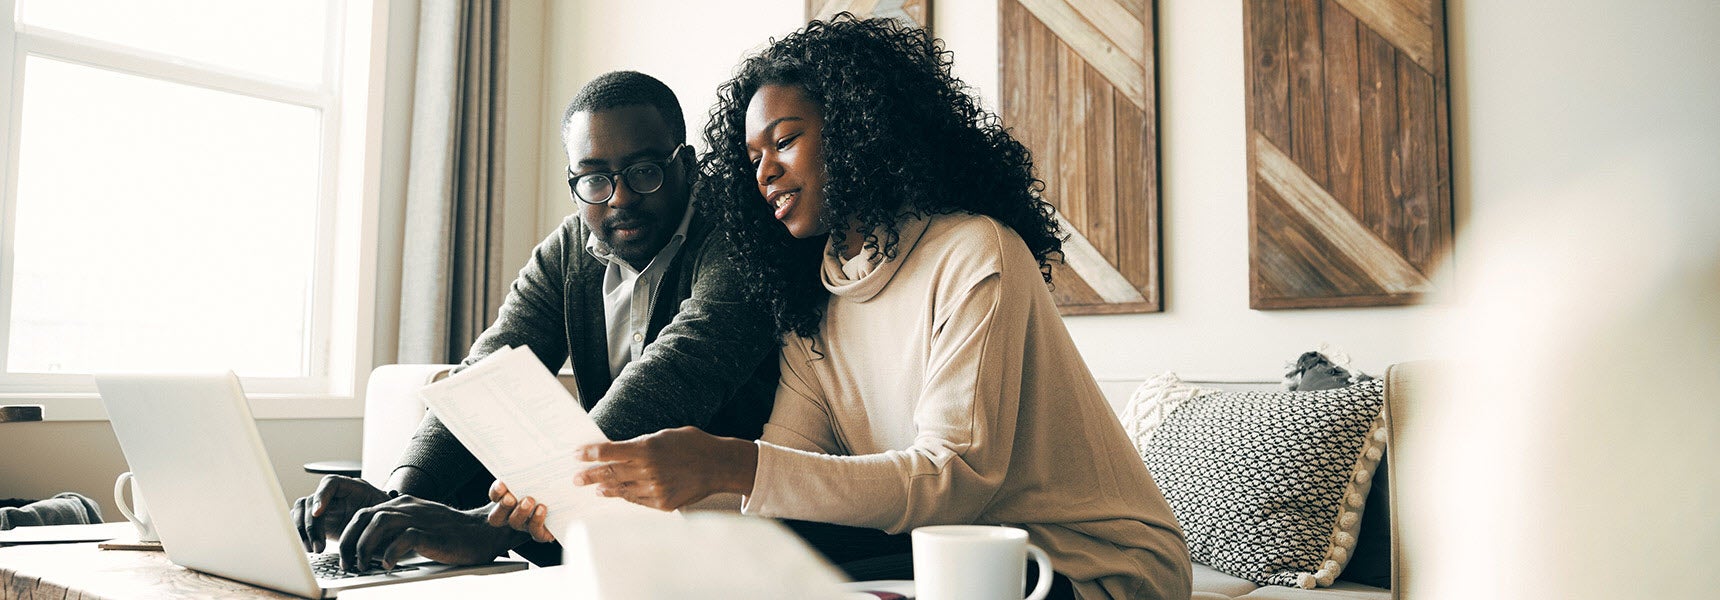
[671, 468]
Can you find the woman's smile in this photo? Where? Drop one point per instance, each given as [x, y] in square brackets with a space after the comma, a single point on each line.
[783, 201]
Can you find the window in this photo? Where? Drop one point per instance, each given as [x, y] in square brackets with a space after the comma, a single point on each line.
[183, 191]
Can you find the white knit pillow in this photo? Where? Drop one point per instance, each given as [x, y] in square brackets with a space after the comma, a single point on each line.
[1152, 401]
[1268, 486]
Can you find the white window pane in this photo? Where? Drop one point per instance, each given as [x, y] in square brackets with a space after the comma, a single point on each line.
[160, 227]
[274, 38]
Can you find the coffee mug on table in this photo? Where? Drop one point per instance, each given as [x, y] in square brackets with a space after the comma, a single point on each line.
[976, 562]
[137, 513]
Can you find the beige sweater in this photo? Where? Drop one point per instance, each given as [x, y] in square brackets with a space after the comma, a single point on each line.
[943, 388]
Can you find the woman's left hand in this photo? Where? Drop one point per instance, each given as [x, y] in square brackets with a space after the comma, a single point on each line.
[671, 468]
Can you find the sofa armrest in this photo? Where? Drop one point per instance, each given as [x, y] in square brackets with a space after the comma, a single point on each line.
[1409, 386]
[392, 412]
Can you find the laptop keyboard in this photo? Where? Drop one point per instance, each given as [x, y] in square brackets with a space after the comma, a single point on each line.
[327, 566]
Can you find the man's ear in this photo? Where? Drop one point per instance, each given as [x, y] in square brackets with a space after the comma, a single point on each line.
[690, 159]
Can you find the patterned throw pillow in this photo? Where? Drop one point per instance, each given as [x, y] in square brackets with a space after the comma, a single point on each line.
[1269, 486]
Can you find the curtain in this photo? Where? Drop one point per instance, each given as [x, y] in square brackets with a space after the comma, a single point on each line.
[452, 279]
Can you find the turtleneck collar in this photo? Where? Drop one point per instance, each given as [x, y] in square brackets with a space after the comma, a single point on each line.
[860, 278]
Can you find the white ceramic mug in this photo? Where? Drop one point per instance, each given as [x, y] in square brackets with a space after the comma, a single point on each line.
[976, 562]
[137, 513]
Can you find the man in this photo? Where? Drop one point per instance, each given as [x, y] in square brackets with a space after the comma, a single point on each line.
[636, 290]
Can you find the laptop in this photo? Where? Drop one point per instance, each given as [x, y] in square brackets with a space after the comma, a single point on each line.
[212, 491]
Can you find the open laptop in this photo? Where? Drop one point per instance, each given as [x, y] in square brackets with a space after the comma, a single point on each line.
[212, 493]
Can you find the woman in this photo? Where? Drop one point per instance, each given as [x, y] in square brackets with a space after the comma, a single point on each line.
[896, 232]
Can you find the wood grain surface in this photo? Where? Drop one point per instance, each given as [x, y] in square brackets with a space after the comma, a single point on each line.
[1077, 80]
[1348, 154]
[84, 572]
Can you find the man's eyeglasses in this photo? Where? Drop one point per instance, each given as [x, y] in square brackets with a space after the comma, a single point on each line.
[643, 178]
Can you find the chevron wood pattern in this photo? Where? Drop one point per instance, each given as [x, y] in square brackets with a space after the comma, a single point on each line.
[918, 12]
[1078, 90]
[1348, 154]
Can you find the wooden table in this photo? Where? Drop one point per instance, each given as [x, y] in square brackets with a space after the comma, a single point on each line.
[83, 572]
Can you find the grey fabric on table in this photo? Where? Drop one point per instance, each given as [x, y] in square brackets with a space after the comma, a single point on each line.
[69, 508]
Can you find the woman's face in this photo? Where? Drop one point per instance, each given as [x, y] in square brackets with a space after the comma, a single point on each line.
[785, 143]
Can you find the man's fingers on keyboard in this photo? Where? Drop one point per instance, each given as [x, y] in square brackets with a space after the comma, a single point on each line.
[402, 546]
[382, 530]
[317, 529]
[297, 514]
[323, 496]
[349, 538]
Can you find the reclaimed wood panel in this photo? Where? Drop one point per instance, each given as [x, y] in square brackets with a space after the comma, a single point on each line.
[1269, 78]
[1100, 228]
[1137, 197]
[1107, 55]
[1068, 287]
[916, 12]
[1348, 154]
[1377, 66]
[1307, 143]
[1077, 90]
[1072, 127]
[1343, 110]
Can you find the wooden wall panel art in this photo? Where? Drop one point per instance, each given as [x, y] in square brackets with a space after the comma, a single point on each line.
[1078, 88]
[1349, 183]
[917, 12]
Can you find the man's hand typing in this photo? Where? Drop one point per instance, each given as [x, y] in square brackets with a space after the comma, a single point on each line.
[323, 515]
[395, 529]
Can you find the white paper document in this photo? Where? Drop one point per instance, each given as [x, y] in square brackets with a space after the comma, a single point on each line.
[523, 425]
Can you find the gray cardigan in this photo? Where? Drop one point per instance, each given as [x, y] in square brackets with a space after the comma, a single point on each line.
[710, 358]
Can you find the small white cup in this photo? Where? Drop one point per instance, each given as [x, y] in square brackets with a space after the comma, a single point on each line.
[976, 562]
[137, 513]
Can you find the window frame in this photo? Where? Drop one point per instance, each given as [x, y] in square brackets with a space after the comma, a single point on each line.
[338, 345]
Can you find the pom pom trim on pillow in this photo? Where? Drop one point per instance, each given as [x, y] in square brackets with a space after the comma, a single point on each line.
[1346, 529]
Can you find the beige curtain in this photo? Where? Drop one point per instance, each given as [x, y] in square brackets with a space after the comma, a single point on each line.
[452, 280]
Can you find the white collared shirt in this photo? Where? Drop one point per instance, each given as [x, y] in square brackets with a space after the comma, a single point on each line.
[628, 293]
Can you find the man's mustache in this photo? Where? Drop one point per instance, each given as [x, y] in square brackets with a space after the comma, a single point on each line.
[625, 220]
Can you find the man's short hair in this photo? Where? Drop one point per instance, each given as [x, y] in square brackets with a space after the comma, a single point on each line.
[628, 88]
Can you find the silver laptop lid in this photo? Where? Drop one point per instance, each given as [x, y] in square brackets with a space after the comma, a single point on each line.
[206, 477]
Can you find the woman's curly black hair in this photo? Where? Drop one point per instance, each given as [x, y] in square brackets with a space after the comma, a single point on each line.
[901, 133]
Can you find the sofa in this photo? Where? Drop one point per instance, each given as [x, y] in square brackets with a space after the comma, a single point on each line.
[392, 413]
